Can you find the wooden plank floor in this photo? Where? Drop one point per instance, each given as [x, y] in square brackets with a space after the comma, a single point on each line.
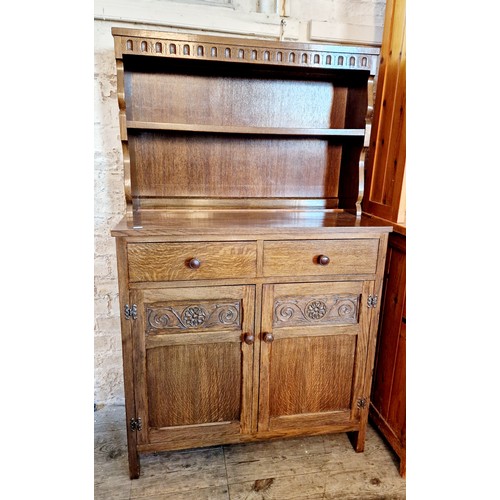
[315, 467]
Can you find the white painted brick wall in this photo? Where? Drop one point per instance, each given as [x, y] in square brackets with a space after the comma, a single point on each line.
[109, 203]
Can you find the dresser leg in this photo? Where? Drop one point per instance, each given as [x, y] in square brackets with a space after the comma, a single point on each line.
[357, 439]
[134, 464]
[402, 466]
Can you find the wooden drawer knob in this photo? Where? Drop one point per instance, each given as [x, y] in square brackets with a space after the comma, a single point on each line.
[323, 260]
[249, 338]
[194, 264]
[268, 337]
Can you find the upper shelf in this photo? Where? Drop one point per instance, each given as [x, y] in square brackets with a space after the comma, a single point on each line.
[229, 129]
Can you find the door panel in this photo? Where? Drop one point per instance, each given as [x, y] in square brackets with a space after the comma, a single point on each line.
[194, 370]
[216, 369]
[299, 382]
[312, 371]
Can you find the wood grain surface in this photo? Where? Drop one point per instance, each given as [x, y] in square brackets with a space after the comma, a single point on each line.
[388, 408]
[177, 164]
[311, 375]
[170, 261]
[279, 469]
[128, 359]
[285, 224]
[238, 129]
[193, 384]
[386, 164]
[346, 257]
[229, 99]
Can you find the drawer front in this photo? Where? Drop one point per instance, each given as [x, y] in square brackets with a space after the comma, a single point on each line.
[178, 261]
[303, 258]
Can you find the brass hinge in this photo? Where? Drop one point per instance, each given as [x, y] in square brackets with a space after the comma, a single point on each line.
[136, 424]
[361, 403]
[130, 312]
[372, 300]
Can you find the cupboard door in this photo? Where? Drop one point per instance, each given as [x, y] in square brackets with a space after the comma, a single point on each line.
[313, 354]
[193, 350]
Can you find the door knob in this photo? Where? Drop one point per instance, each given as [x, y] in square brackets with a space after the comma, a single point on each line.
[268, 337]
[323, 260]
[194, 264]
[249, 338]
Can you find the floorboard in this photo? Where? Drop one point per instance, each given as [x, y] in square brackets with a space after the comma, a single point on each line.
[316, 467]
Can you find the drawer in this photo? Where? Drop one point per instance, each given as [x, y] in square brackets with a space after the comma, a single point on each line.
[175, 261]
[302, 258]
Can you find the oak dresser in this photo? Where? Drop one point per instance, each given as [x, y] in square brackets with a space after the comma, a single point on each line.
[249, 277]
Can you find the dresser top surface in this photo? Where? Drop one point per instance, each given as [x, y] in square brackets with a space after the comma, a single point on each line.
[268, 223]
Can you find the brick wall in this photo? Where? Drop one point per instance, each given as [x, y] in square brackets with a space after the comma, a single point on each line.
[361, 16]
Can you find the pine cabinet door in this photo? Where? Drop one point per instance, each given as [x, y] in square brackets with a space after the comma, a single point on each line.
[313, 355]
[193, 354]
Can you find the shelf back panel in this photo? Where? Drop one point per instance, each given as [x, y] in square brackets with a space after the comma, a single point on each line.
[191, 92]
[175, 164]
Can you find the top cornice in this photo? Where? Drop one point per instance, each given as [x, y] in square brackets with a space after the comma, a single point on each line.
[243, 50]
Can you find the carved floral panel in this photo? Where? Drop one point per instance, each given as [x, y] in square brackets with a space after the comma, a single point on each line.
[193, 316]
[321, 310]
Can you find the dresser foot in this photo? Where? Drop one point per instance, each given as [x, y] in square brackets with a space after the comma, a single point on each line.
[357, 439]
[402, 466]
[134, 464]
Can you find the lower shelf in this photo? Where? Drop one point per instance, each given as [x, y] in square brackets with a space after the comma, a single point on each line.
[236, 129]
